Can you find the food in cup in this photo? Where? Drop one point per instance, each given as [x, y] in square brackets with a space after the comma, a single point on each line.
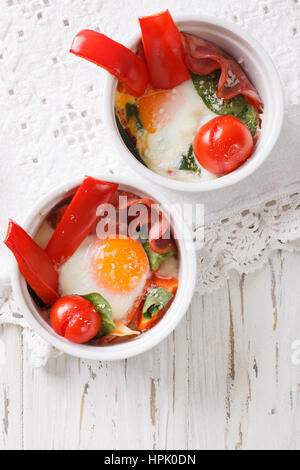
[188, 83]
[103, 266]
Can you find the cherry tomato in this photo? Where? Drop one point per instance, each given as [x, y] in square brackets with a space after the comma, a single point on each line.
[223, 144]
[75, 318]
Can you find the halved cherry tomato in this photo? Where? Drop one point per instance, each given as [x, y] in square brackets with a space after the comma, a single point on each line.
[223, 144]
[75, 318]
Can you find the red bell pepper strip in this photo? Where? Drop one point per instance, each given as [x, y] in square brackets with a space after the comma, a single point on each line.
[117, 59]
[35, 265]
[60, 213]
[137, 304]
[79, 218]
[164, 51]
[170, 284]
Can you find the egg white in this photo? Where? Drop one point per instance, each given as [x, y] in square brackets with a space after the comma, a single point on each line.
[162, 151]
[76, 277]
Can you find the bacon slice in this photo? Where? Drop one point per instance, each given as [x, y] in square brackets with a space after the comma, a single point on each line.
[157, 228]
[204, 57]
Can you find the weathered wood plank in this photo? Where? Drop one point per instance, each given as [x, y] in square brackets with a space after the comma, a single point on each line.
[223, 380]
[51, 418]
[165, 398]
[11, 402]
[209, 349]
[265, 382]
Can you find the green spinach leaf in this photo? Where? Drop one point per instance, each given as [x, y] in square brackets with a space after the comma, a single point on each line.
[128, 142]
[104, 309]
[207, 87]
[188, 162]
[132, 111]
[156, 300]
[155, 259]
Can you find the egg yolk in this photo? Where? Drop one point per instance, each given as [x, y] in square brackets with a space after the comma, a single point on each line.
[120, 264]
[157, 108]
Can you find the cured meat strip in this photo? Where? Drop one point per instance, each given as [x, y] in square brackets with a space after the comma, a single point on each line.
[157, 230]
[204, 57]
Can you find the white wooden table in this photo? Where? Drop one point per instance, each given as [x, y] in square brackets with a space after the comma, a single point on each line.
[224, 380]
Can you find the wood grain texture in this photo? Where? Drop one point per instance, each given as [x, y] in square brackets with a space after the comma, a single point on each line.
[11, 389]
[223, 380]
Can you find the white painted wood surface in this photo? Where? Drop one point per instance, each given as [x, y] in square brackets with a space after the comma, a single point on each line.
[224, 380]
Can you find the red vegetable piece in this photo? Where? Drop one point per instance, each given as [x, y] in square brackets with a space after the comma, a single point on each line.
[168, 283]
[75, 318]
[60, 213]
[164, 51]
[35, 265]
[137, 304]
[79, 218]
[117, 59]
[223, 144]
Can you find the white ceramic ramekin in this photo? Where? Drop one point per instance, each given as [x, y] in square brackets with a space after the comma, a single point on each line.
[261, 71]
[187, 277]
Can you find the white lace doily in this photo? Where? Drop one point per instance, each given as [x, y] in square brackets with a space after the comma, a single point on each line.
[52, 127]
